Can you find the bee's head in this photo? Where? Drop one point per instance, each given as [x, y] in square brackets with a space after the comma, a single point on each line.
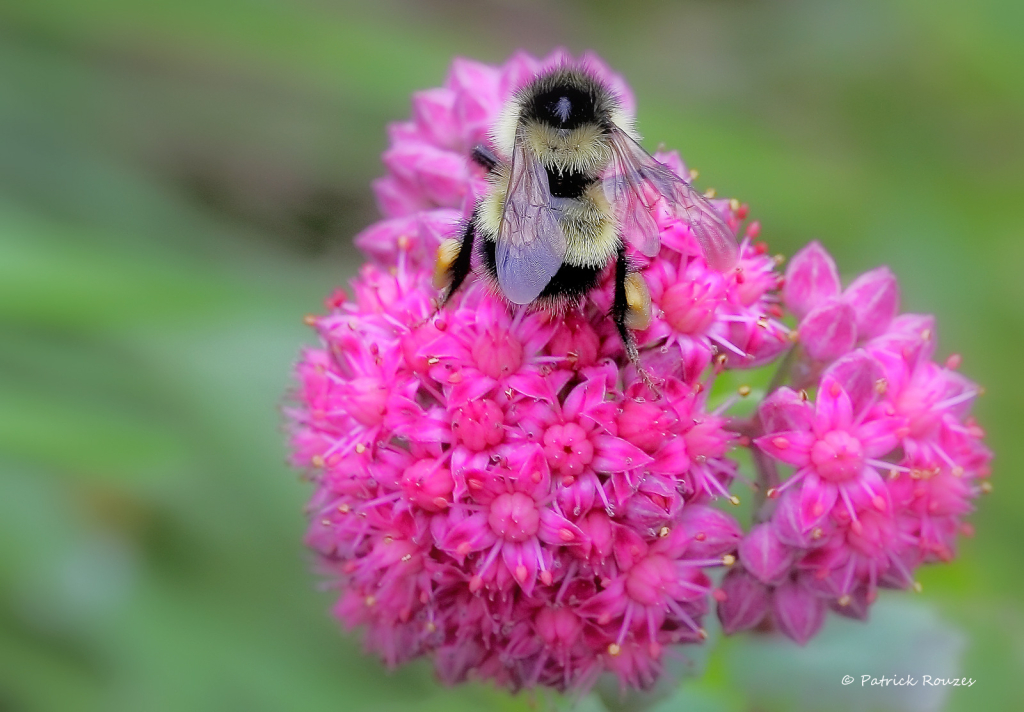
[564, 115]
[566, 99]
[563, 107]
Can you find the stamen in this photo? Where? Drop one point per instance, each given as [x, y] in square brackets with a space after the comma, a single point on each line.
[729, 345]
[626, 620]
[685, 618]
[955, 400]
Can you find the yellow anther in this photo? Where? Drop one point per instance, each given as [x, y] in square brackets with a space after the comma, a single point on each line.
[734, 500]
[370, 601]
[844, 600]
[663, 532]
[710, 193]
[728, 559]
[614, 649]
[694, 174]
[918, 587]
[317, 461]
[360, 448]
[743, 391]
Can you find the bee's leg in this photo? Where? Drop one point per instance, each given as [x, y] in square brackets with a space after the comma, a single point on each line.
[454, 260]
[631, 310]
[484, 157]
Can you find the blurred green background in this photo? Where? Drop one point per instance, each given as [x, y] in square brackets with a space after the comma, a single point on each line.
[180, 181]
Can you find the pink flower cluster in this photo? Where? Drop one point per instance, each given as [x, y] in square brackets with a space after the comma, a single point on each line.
[496, 488]
[885, 457]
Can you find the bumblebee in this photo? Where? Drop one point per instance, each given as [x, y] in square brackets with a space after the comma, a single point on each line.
[570, 186]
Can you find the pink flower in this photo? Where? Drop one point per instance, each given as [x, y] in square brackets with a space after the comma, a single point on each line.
[837, 529]
[494, 487]
[512, 520]
[497, 489]
[835, 446]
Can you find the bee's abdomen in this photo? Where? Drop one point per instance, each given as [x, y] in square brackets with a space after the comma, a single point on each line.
[570, 282]
[568, 184]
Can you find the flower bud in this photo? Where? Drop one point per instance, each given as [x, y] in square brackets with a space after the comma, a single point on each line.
[743, 601]
[829, 331]
[811, 280]
[798, 612]
[439, 175]
[763, 555]
[711, 532]
[395, 198]
[476, 100]
[875, 298]
[432, 111]
[785, 409]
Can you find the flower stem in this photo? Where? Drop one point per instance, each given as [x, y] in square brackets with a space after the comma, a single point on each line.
[767, 472]
[782, 373]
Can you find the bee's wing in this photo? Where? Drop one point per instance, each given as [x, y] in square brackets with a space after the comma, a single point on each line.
[531, 244]
[632, 170]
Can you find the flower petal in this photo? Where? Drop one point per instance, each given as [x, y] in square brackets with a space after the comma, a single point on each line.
[834, 409]
[785, 409]
[817, 498]
[559, 531]
[790, 446]
[471, 534]
[612, 454]
[879, 437]
[862, 377]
